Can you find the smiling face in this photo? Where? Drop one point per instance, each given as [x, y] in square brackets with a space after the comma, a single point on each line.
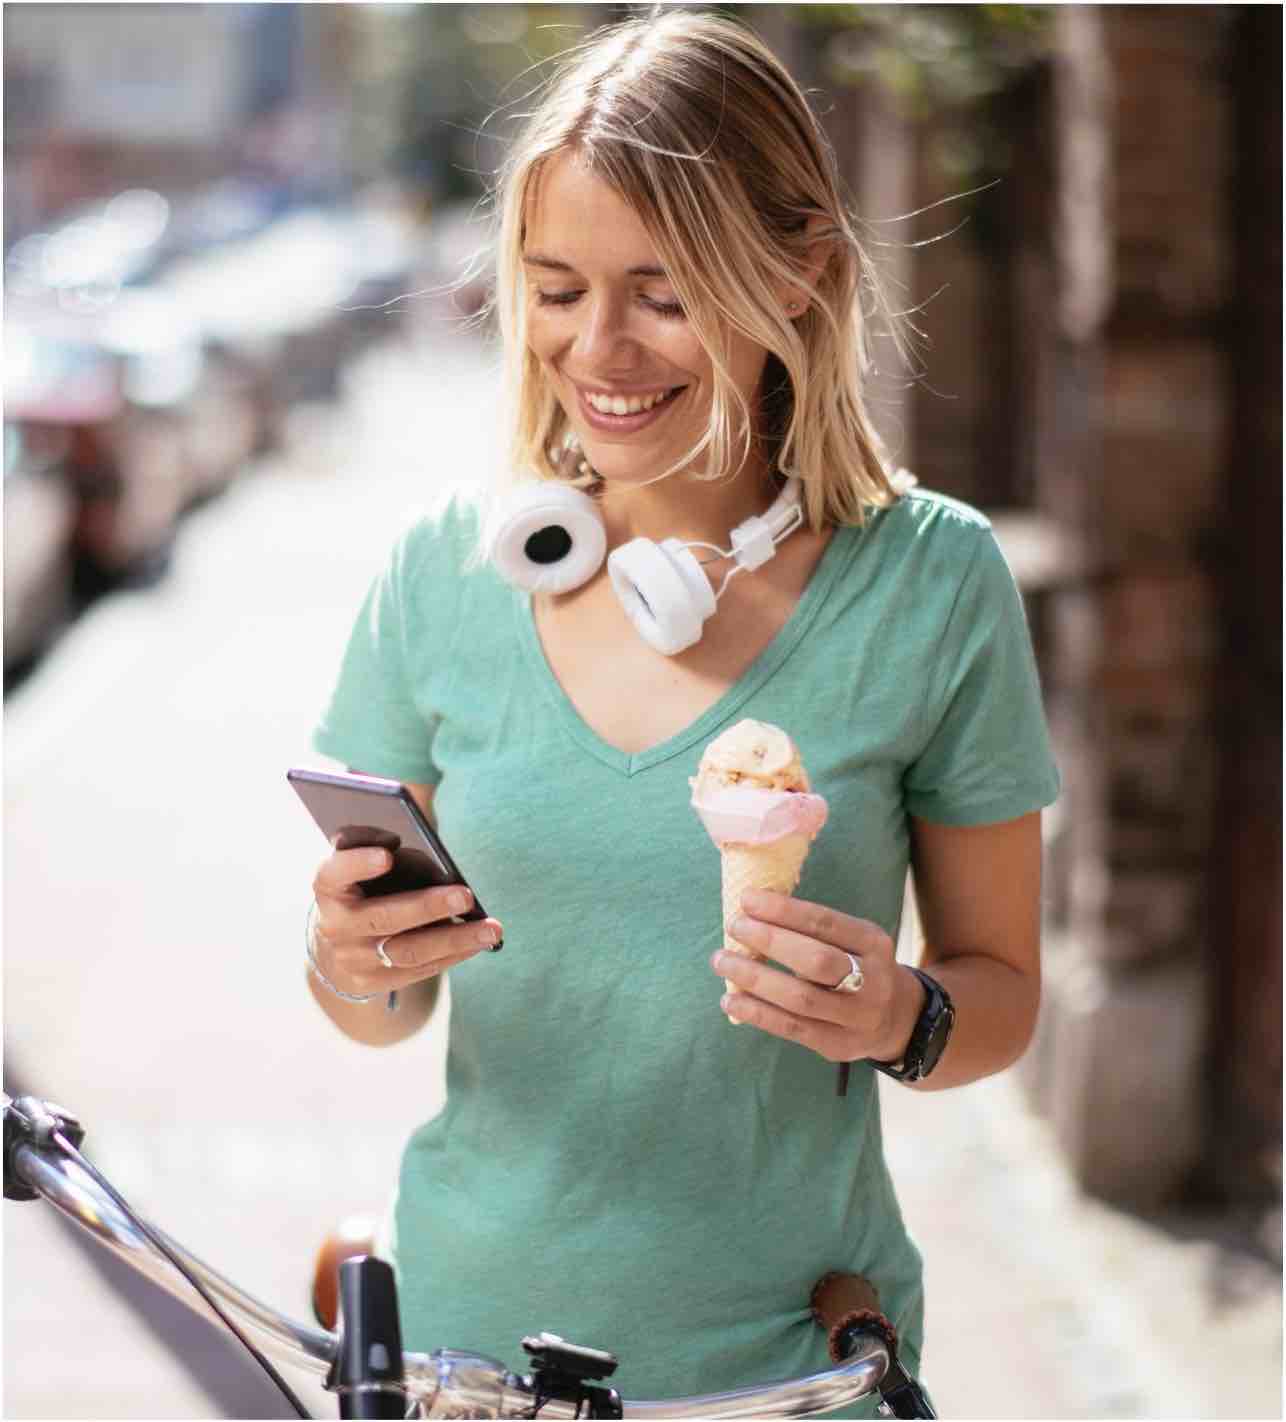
[606, 326]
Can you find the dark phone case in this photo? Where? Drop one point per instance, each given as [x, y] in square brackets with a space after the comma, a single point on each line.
[354, 812]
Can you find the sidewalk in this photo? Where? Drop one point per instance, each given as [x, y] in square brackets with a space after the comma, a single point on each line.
[156, 868]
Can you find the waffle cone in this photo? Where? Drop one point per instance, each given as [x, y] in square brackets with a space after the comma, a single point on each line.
[775, 866]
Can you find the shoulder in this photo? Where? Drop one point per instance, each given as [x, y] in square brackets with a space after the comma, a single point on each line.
[424, 582]
[446, 531]
[929, 534]
[923, 562]
[926, 514]
[440, 545]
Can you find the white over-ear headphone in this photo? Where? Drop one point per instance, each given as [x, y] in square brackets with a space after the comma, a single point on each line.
[551, 539]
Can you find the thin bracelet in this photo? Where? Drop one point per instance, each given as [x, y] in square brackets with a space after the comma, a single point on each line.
[323, 979]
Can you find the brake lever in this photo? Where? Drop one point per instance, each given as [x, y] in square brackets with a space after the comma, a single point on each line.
[31, 1121]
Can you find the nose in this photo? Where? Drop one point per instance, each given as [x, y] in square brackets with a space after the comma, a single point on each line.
[603, 340]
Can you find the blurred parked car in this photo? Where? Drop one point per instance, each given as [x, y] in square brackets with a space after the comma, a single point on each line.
[39, 521]
[123, 462]
[151, 349]
[82, 263]
[166, 369]
[226, 210]
[275, 308]
[92, 252]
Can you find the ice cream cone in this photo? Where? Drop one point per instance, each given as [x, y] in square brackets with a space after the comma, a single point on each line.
[775, 866]
[753, 796]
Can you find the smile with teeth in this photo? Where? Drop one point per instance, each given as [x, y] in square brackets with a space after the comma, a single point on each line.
[627, 404]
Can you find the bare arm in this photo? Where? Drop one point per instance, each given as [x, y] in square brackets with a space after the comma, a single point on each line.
[977, 888]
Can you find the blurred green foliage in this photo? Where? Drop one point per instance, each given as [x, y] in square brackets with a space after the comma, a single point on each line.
[952, 71]
[926, 56]
[465, 72]
[929, 56]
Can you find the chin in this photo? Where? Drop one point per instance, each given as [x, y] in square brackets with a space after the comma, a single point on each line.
[622, 467]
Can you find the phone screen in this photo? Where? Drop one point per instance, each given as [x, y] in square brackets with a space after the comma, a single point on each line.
[356, 812]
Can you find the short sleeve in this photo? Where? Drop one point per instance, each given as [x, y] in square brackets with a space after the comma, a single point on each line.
[986, 755]
[374, 721]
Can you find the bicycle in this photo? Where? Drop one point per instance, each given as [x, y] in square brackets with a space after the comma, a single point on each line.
[363, 1362]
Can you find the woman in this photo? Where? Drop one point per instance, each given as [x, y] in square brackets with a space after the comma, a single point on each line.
[678, 288]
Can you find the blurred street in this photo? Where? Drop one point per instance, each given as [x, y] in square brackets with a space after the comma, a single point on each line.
[156, 875]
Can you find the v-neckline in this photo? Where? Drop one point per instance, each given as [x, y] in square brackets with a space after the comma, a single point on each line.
[764, 666]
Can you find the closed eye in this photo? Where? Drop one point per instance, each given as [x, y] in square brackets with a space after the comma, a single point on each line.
[670, 310]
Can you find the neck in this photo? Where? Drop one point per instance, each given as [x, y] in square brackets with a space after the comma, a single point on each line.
[686, 508]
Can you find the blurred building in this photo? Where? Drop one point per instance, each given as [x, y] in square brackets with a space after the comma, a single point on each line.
[104, 97]
[1103, 375]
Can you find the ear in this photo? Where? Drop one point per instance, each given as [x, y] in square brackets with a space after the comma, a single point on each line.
[793, 301]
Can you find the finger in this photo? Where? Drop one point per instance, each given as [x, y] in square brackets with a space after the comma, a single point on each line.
[396, 913]
[374, 977]
[818, 962]
[345, 868]
[816, 921]
[428, 948]
[823, 1038]
[794, 995]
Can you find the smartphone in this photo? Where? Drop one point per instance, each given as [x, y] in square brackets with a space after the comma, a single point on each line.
[360, 811]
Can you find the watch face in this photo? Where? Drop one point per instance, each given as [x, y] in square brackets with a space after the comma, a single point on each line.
[938, 1036]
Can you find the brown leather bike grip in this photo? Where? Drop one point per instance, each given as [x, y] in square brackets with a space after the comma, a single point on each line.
[838, 1301]
[355, 1236]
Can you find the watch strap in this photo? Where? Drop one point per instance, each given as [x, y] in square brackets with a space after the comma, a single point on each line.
[936, 1016]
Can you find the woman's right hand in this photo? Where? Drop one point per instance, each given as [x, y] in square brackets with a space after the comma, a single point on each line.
[414, 927]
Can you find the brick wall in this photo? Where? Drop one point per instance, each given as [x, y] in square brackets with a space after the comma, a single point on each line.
[1104, 378]
[1139, 466]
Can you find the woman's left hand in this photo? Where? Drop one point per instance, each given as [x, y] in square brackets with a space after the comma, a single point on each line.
[815, 942]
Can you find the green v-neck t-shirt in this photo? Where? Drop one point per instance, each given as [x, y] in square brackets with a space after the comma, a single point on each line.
[616, 1162]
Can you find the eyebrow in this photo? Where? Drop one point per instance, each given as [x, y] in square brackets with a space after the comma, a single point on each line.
[538, 259]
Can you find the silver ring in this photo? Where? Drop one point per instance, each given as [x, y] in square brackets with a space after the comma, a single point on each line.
[852, 980]
[382, 955]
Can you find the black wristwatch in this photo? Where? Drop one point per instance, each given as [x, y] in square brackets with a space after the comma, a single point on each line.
[928, 1037]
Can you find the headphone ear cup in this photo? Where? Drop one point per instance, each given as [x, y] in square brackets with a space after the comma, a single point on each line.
[549, 539]
[664, 591]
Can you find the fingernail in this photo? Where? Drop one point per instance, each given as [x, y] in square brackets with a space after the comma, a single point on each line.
[740, 925]
[458, 900]
[725, 1001]
[377, 859]
[719, 961]
[488, 935]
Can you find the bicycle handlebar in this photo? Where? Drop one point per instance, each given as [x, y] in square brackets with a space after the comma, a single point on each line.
[449, 1382]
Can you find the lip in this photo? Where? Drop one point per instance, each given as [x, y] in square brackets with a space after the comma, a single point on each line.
[625, 424]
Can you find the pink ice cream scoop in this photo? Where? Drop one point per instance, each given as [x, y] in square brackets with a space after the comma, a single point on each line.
[743, 814]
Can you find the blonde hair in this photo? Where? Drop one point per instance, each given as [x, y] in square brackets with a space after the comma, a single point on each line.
[694, 123]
